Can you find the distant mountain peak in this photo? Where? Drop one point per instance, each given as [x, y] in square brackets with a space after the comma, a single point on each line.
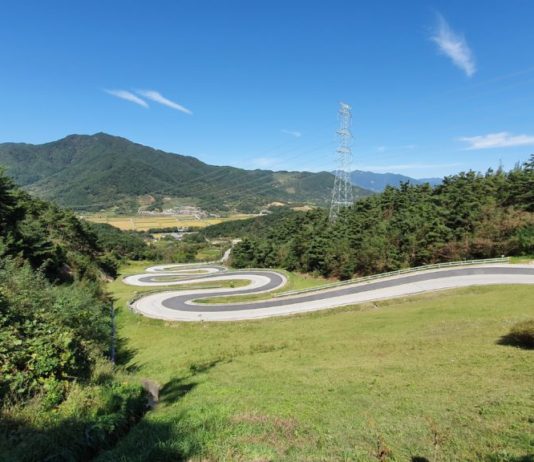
[377, 182]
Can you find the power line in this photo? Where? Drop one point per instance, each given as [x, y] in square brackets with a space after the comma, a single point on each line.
[261, 177]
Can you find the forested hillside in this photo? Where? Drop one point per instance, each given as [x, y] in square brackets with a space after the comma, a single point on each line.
[102, 171]
[470, 215]
[60, 398]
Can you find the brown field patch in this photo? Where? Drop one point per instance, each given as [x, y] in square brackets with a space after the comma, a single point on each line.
[143, 223]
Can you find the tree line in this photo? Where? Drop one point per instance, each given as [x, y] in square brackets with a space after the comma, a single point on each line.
[470, 215]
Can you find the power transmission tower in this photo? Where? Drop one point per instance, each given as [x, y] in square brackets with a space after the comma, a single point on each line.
[342, 191]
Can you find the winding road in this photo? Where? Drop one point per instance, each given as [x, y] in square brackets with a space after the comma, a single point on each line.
[168, 275]
[183, 305]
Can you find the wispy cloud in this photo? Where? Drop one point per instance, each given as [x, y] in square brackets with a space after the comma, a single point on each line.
[128, 96]
[159, 98]
[395, 148]
[497, 140]
[454, 46]
[393, 168]
[294, 133]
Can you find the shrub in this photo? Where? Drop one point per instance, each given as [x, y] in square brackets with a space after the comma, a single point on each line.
[48, 334]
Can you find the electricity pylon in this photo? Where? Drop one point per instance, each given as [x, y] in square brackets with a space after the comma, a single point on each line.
[342, 191]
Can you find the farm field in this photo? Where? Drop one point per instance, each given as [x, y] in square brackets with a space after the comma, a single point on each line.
[420, 378]
[144, 223]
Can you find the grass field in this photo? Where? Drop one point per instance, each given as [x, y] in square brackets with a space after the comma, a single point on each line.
[421, 378]
[523, 259]
[143, 223]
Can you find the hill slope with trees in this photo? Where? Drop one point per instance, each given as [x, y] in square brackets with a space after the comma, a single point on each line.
[60, 398]
[470, 215]
[99, 171]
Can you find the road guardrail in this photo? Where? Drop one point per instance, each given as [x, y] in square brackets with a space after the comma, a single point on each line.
[394, 273]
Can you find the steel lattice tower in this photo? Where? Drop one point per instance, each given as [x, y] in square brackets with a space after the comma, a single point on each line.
[342, 191]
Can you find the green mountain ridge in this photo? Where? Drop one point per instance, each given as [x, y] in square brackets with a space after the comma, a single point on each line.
[98, 171]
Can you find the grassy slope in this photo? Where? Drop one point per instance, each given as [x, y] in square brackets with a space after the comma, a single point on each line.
[418, 377]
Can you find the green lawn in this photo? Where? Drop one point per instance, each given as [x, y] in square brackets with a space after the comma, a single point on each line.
[209, 254]
[416, 377]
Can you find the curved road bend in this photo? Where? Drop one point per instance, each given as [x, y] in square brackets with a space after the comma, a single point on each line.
[184, 267]
[180, 306]
[159, 276]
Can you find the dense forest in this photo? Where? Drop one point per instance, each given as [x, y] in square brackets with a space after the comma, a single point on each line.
[470, 215]
[61, 398]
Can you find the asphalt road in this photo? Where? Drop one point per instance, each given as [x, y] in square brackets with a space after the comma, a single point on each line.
[181, 305]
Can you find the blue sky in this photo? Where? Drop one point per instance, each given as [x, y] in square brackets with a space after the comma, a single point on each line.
[436, 87]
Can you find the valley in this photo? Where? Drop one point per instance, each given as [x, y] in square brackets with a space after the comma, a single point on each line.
[266, 231]
[344, 374]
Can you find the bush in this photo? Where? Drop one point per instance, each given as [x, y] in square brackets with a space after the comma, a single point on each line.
[48, 333]
[521, 335]
[524, 238]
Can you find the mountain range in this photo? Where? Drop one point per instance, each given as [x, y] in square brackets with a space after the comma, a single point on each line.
[377, 182]
[101, 171]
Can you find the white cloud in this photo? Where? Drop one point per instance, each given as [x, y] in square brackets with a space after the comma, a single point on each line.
[454, 46]
[159, 98]
[395, 148]
[294, 133]
[497, 140]
[128, 96]
[391, 168]
[263, 162]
